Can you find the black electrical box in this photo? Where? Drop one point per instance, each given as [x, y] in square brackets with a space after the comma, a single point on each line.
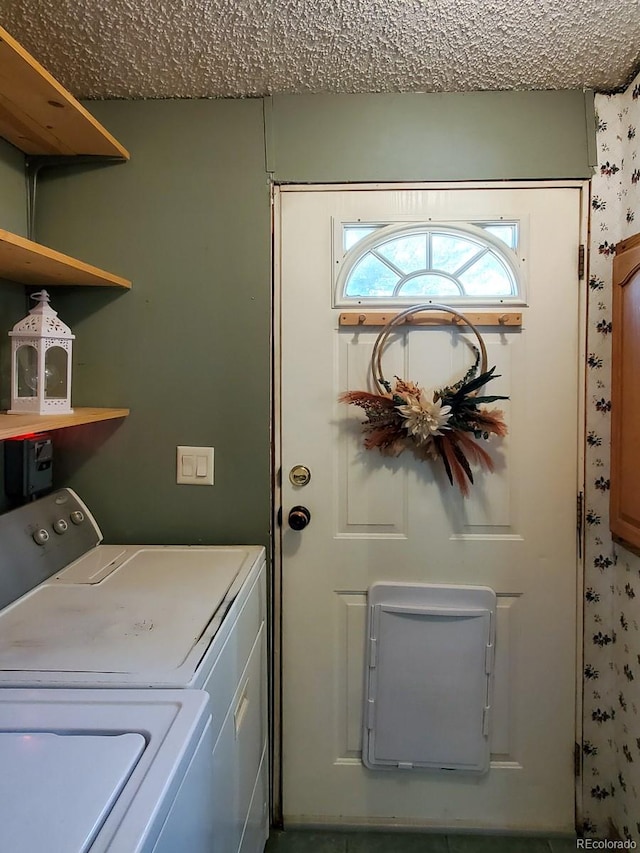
[28, 466]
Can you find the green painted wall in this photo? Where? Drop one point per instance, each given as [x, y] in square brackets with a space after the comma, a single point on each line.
[13, 190]
[436, 137]
[188, 348]
[188, 220]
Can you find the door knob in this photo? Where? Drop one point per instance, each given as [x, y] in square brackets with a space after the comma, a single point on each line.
[299, 517]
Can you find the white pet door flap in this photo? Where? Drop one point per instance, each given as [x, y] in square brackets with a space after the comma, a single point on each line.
[428, 691]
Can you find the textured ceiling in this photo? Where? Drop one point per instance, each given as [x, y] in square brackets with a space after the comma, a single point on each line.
[230, 48]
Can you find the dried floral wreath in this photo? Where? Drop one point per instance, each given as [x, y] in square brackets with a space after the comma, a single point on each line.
[448, 426]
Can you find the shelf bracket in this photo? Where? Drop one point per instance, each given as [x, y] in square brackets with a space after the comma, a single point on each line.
[34, 163]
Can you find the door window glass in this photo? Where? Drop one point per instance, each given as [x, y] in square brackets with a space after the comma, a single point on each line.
[393, 264]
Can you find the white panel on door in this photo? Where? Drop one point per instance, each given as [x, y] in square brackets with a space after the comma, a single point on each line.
[352, 620]
[489, 508]
[373, 497]
[505, 678]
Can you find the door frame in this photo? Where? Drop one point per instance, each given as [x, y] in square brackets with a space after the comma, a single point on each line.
[277, 191]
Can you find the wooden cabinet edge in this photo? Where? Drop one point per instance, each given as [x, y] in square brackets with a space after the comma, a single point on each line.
[626, 260]
[624, 527]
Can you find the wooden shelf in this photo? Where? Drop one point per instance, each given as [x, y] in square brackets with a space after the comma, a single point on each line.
[39, 116]
[12, 426]
[30, 263]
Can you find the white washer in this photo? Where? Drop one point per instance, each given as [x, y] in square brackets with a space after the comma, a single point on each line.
[86, 771]
[81, 614]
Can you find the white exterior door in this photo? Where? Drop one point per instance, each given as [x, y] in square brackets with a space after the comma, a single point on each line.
[379, 519]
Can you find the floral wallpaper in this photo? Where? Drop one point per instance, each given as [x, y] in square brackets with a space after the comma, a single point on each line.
[611, 739]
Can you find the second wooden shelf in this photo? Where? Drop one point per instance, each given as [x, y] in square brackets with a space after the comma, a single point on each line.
[13, 426]
[31, 263]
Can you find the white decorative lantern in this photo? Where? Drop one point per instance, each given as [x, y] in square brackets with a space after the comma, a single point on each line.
[41, 362]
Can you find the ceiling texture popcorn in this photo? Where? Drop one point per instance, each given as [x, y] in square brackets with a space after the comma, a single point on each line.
[244, 48]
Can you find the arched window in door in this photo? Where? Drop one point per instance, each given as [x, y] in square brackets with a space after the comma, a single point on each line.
[400, 264]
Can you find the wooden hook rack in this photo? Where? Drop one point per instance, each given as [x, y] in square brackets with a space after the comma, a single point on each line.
[510, 320]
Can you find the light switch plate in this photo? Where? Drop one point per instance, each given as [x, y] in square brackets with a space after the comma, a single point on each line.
[194, 465]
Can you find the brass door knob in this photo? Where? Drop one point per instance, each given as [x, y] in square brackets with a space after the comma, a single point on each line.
[299, 517]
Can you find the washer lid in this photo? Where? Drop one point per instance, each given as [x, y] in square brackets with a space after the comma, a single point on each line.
[143, 619]
[57, 773]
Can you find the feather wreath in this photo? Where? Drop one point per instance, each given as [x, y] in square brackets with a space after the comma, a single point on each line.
[448, 425]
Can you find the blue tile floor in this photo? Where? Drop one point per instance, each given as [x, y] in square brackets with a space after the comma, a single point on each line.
[298, 841]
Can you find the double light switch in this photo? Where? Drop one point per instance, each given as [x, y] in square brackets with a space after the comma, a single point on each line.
[194, 465]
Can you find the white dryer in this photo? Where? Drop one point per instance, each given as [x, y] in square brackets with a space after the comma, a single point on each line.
[87, 771]
[77, 613]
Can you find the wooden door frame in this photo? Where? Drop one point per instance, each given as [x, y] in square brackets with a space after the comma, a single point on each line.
[276, 540]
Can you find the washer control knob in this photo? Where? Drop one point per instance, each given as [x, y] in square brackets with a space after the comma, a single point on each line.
[77, 516]
[41, 536]
[60, 526]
